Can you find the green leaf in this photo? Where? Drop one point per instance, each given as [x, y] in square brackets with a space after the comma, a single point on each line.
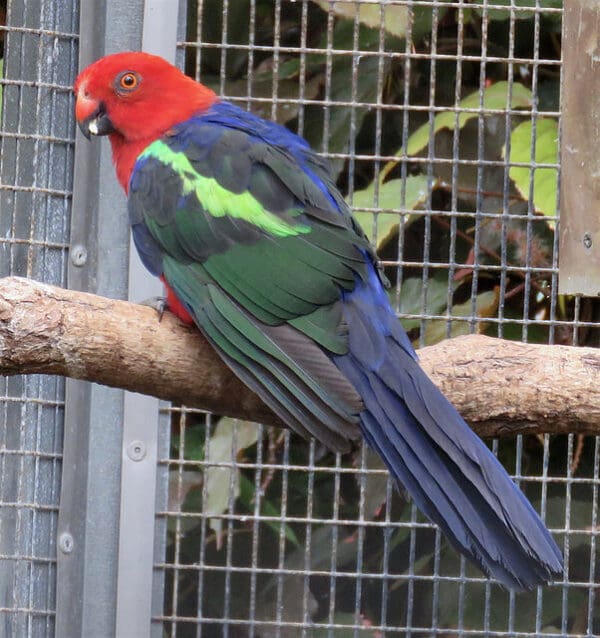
[423, 18]
[495, 97]
[348, 84]
[248, 493]
[185, 490]
[393, 18]
[486, 305]
[341, 91]
[504, 14]
[545, 181]
[411, 298]
[193, 449]
[397, 194]
[221, 480]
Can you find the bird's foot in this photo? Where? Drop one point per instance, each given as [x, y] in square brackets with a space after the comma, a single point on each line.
[156, 303]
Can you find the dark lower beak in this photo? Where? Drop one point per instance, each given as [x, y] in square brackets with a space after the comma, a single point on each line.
[97, 123]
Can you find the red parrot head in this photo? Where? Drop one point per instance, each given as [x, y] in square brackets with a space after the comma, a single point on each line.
[135, 95]
[135, 98]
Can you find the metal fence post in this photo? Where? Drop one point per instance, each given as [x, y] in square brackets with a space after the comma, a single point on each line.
[141, 414]
[90, 494]
[580, 198]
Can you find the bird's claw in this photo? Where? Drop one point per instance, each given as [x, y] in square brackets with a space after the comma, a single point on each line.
[156, 303]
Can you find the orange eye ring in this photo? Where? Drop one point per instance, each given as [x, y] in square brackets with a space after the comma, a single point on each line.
[128, 81]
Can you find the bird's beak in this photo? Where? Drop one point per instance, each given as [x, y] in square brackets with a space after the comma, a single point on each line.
[92, 118]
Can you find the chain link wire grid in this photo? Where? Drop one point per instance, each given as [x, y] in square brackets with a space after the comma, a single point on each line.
[39, 57]
[440, 120]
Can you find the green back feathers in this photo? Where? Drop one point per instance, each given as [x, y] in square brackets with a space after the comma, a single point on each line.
[260, 254]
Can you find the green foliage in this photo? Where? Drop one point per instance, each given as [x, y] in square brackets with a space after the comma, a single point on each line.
[405, 194]
[416, 299]
[222, 478]
[484, 305]
[492, 98]
[519, 8]
[545, 180]
[351, 81]
[394, 19]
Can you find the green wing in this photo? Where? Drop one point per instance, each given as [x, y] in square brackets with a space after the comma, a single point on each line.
[257, 251]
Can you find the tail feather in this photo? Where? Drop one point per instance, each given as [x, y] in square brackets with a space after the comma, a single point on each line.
[452, 476]
[445, 426]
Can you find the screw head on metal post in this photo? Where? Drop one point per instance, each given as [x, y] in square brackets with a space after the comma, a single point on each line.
[136, 450]
[66, 543]
[78, 255]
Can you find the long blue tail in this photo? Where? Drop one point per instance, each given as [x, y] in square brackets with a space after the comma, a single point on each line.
[451, 475]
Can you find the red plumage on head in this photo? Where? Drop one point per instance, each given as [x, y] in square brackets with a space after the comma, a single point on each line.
[160, 97]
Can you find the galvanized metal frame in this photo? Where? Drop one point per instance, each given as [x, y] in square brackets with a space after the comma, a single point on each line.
[106, 554]
[88, 531]
[580, 162]
[141, 416]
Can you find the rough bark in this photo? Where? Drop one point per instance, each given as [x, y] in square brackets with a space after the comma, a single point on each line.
[500, 387]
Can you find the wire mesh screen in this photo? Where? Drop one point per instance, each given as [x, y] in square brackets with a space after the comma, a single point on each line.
[38, 56]
[440, 121]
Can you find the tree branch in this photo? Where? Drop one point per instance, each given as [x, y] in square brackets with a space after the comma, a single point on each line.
[500, 387]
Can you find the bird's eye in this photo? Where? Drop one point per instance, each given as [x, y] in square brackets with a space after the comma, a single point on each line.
[128, 81]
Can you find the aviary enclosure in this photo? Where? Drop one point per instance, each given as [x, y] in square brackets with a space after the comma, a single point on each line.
[124, 515]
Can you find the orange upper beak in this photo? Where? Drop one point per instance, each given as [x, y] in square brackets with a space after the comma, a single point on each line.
[91, 116]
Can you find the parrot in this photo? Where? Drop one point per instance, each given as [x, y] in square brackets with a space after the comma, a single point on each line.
[244, 225]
